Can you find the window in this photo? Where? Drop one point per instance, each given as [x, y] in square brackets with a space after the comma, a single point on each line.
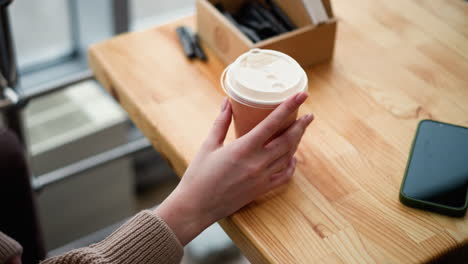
[79, 133]
[41, 31]
[147, 13]
[51, 39]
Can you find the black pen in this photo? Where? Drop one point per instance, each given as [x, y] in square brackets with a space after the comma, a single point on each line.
[186, 42]
[198, 50]
[268, 16]
[250, 33]
[263, 30]
[282, 17]
[247, 31]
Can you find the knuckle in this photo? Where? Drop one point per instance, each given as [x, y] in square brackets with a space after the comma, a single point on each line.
[285, 177]
[287, 160]
[264, 163]
[249, 174]
[290, 106]
[240, 150]
[238, 153]
[252, 171]
[272, 124]
[283, 166]
[290, 140]
[273, 146]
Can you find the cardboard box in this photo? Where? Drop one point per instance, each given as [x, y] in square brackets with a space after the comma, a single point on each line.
[309, 44]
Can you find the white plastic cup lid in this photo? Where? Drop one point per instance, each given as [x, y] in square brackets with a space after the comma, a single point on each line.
[263, 78]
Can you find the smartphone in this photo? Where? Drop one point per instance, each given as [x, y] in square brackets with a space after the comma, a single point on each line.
[436, 177]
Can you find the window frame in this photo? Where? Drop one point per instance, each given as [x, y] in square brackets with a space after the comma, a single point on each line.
[90, 21]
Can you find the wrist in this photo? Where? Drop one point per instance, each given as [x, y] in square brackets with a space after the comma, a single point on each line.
[183, 215]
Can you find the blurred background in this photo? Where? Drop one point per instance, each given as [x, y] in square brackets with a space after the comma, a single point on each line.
[91, 167]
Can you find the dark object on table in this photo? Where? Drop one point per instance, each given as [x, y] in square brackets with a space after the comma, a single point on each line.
[257, 21]
[186, 42]
[190, 43]
[247, 12]
[268, 16]
[220, 7]
[280, 15]
[250, 33]
[230, 18]
[263, 29]
[436, 178]
[199, 53]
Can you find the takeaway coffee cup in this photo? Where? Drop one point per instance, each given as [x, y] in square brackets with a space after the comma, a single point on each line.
[257, 82]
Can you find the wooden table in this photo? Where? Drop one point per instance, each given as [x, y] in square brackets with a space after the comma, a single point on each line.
[396, 62]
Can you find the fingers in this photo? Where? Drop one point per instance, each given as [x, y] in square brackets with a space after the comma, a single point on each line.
[270, 126]
[289, 140]
[220, 127]
[279, 164]
[283, 176]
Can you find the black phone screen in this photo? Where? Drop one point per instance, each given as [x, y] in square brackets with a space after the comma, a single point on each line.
[438, 167]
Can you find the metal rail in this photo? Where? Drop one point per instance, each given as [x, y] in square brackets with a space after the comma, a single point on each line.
[57, 85]
[84, 165]
[9, 74]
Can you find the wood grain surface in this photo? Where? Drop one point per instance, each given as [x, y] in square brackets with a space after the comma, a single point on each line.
[396, 62]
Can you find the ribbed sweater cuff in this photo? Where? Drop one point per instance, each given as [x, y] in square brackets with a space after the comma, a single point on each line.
[146, 238]
[8, 248]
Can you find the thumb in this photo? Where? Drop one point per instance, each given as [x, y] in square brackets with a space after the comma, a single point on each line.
[220, 127]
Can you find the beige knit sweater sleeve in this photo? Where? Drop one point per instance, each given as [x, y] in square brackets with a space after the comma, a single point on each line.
[8, 248]
[143, 239]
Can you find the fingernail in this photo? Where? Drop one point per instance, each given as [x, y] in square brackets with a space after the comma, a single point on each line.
[301, 97]
[308, 118]
[224, 105]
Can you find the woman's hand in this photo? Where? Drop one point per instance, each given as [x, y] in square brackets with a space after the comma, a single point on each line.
[224, 178]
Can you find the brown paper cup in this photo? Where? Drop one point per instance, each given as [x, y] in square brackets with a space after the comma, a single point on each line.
[247, 117]
[248, 112]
